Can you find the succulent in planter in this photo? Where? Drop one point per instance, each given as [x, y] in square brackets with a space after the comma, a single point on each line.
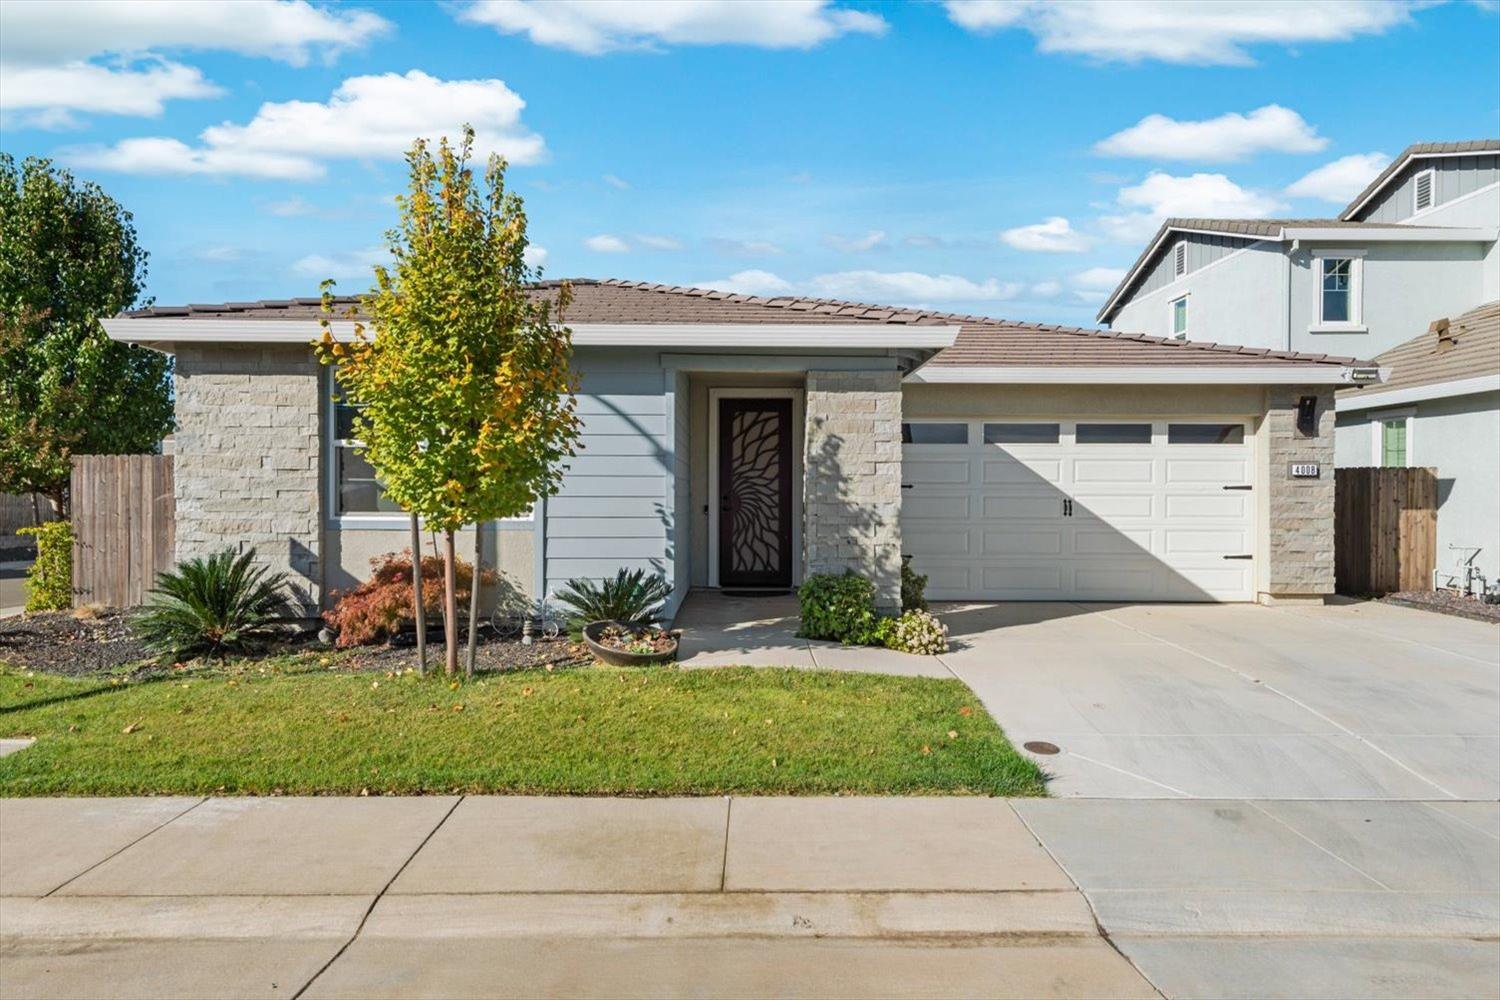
[629, 596]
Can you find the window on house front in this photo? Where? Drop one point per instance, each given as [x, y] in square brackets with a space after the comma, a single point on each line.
[1421, 191]
[1180, 318]
[1393, 443]
[356, 490]
[1337, 304]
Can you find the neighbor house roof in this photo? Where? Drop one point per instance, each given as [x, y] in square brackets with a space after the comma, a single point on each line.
[1417, 151]
[976, 342]
[1453, 357]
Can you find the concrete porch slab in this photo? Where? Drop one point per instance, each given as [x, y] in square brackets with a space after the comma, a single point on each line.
[522, 844]
[45, 842]
[303, 846]
[914, 844]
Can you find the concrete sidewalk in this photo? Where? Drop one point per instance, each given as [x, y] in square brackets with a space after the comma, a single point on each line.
[497, 896]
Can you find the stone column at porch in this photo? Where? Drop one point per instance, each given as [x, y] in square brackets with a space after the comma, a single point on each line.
[1301, 538]
[852, 478]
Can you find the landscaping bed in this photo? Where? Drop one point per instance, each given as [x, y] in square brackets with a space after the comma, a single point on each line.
[1446, 602]
[60, 642]
[295, 726]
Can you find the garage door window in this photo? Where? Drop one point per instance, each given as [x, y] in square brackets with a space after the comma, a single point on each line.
[1020, 433]
[934, 433]
[1205, 434]
[1114, 434]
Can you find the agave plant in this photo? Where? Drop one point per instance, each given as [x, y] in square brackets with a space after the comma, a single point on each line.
[631, 596]
[208, 607]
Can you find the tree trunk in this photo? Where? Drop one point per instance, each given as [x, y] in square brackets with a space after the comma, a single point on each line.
[416, 583]
[474, 601]
[450, 606]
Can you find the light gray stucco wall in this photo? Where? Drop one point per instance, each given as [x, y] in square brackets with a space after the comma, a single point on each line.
[1237, 299]
[1459, 437]
[247, 458]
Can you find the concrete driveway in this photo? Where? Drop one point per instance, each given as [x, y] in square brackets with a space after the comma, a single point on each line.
[1347, 701]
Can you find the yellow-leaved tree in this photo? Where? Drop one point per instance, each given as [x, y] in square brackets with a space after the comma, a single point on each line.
[466, 405]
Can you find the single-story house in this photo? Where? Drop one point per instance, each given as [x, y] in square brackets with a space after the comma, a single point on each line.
[743, 442]
[1439, 407]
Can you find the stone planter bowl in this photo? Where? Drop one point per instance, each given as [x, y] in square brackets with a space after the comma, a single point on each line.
[619, 657]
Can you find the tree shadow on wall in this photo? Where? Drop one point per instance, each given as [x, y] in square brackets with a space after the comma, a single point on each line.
[840, 530]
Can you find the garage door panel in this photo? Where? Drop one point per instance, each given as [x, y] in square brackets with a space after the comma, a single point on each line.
[1016, 579]
[1115, 505]
[938, 542]
[1030, 507]
[1219, 541]
[946, 578]
[1130, 581]
[1198, 506]
[1114, 470]
[943, 508]
[1215, 471]
[1008, 469]
[1111, 541]
[1192, 583]
[1023, 540]
[948, 471]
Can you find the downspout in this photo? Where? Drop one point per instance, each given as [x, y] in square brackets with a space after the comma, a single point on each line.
[1286, 291]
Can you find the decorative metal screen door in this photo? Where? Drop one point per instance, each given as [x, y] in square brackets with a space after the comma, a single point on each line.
[755, 492]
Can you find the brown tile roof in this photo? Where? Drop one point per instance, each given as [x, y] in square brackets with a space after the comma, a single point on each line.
[1475, 351]
[982, 340]
[1417, 149]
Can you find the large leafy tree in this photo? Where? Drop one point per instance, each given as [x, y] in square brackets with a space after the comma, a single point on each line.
[466, 398]
[68, 256]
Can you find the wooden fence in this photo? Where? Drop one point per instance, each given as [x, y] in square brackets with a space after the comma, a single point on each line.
[123, 514]
[1385, 530]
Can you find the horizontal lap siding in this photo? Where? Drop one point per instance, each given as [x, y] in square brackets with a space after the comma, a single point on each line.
[611, 511]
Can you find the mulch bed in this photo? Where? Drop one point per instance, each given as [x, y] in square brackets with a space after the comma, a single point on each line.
[60, 642]
[1447, 603]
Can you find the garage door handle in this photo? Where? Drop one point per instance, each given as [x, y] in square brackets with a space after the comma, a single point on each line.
[1239, 557]
[1238, 487]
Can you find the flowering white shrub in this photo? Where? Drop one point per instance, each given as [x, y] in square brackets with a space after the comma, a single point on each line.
[919, 632]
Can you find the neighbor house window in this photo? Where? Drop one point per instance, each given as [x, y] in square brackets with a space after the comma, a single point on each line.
[355, 488]
[934, 433]
[1393, 443]
[1422, 191]
[1180, 318]
[1339, 289]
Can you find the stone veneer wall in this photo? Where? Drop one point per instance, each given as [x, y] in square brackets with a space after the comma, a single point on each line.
[1301, 536]
[852, 478]
[247, 458]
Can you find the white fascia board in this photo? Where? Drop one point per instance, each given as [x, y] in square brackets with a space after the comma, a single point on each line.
[1400, 165]
[1394, 234]
[1136, 375]
[167, 330]
[1416, 393]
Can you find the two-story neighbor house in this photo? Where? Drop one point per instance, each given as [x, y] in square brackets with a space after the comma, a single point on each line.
[1413, 255]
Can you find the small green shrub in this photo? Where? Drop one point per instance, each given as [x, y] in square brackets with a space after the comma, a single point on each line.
[49, 582]
[840, 607]
[630, 596]
[913, 587]
[917, 632]
[212, 606]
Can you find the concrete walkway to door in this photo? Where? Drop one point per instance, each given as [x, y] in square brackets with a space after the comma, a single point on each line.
[1344, 701]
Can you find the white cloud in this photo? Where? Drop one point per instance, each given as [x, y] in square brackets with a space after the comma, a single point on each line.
[744, 248]
[1225, 138]
[1162, 195]
[367, 117]
[910, 287]
[1046, 289]
[592, 28]
[1052, 235]
[656, 242]
[749, 283]
[1178, 31]
[1095, 283]
[52, 63]
[606, 243]
[1340, 180]
[618, 183]
[535, 256]
[291, 207]
[855, 244]
[220, 254]
[350, 265]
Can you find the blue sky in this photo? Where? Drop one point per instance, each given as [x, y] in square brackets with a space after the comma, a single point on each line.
[1001, 158]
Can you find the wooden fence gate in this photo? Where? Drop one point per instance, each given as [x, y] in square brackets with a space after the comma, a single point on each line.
[1385, 530]
[123, 518]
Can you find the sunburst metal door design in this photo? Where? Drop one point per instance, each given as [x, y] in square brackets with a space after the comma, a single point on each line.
[755, 492]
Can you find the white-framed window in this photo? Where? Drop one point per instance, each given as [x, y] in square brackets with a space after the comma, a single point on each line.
[1179, 259]
[1391, 439]
[1179, 317]
[1340, 289]
[354, 492]
[1423, 191]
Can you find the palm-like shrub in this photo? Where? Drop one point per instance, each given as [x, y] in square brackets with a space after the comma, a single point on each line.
[209, 607]
[630, 596]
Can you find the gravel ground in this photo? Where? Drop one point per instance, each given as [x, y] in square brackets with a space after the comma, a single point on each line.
[57, 642]
[1446, 602]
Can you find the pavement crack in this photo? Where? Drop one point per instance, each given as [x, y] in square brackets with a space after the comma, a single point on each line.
[111, 857]
[378, 897]
[724, 865]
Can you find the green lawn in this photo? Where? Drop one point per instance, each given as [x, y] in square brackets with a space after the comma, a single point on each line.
[301, 729]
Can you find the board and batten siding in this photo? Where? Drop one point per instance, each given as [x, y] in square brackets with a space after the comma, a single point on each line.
[1453, 177]
[614, 508]
[1202, 249]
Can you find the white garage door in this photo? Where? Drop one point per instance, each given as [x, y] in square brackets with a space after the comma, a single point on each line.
[1088, 509]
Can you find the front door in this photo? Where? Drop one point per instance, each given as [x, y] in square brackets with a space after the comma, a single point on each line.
[755, 492]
